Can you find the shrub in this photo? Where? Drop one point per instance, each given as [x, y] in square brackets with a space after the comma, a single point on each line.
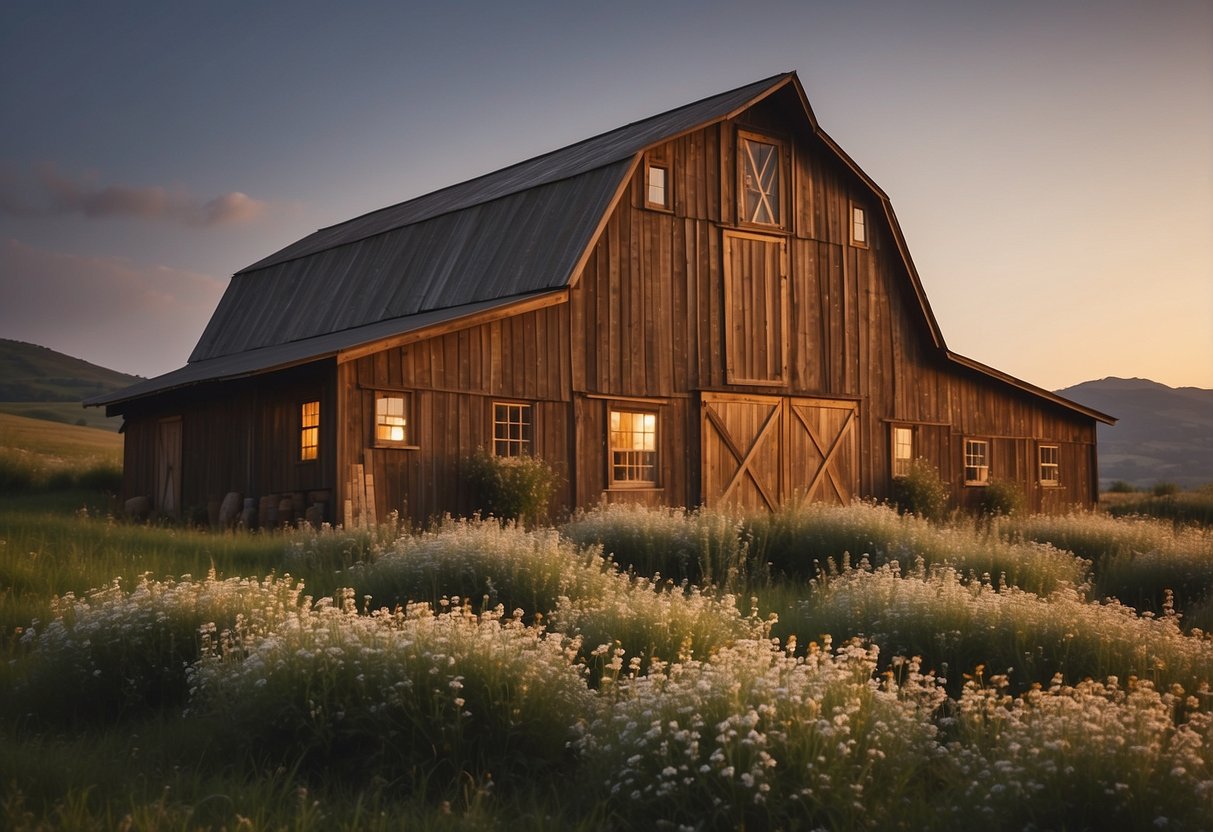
[1002, 498]
[761, 738]
[934, 614]
[922, 492]
[1121, 487]
[114, 652]
[511, 487]
[1164, 489]
[702, 547]
[427, 698]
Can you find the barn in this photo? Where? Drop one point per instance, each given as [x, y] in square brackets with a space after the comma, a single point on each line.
[712, 306]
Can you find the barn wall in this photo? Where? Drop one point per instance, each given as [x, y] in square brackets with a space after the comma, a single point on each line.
[452, 381]
[652, 302]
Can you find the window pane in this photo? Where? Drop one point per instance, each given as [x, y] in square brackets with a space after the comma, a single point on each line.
[391, 420]
[309, 431]
[633, 440]
[760, 182]
[511, 429]
[657, 186]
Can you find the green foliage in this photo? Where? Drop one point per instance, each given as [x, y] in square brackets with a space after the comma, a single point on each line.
[702, 547]
[1121, 487]
[1002, 498]
[1164, 489]
[922, 492]
[511, 487]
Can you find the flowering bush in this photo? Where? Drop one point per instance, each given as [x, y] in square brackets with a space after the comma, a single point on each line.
[414, 694]
[1094, 755]
[703, 547]
[114, 651]
[515, 488]
[936, 615]
[761, 738]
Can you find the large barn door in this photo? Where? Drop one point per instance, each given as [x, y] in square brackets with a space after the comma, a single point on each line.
[741, 439]
[759, 452]
[168, 467]
[822, 451]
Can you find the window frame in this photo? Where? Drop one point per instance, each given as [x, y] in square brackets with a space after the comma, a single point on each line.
[309, 428]
[983, 469]
[526, 438]
[858, 211]
[783, 169]
[1055, 465]
[635, 409]
[898, 462]
[410, 424]
[650, 164]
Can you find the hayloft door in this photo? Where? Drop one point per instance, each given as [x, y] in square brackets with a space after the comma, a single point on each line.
[168, 467]
[758, 452]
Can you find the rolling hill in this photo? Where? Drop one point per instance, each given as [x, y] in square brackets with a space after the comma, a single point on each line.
[39, 383]
[1164, 434]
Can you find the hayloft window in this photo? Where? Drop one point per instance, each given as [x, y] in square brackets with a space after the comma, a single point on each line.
[903, 451]
[633, 447]
[1050, 465]
[977, 462]
[512, 431]
[859, 227]
[760, 179]
[309, 431]
[392, 428]
[657, 186]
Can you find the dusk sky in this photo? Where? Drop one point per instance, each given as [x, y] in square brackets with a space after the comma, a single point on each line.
[1051, 163]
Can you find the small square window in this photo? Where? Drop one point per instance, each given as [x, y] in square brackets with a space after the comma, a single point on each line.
[903, 451]
[512, 431]
[392, 425]
[633, 447]
[657, 186]
[309, 431]
[859, 227]
[1050, 465]
[977, 462]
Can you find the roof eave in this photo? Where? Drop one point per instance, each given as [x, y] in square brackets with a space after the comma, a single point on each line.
[1006, 378]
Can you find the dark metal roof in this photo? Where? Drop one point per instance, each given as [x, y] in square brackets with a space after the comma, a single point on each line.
[280, 356]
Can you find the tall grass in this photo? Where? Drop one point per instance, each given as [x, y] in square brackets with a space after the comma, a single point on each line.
[1143, 562]
[961, 625]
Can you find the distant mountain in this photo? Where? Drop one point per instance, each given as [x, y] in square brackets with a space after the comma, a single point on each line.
[29, 373]
[1163, 434]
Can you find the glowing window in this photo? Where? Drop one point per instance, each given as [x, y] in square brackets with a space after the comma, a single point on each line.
[309, 431]
[1050, 465]
[657, 186]
[903, 451]
[391, 419]
[859, 226]
[511, 429]
[633, 447]
[977, 462]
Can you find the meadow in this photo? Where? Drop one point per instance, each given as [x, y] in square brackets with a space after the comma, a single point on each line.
[820, 668]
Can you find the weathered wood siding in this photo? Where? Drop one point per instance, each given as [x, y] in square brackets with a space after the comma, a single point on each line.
[240, 436]
[453, 380]
[664, 316]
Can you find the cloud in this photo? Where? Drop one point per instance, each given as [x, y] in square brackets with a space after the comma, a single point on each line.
[51, 193]
[138, 318]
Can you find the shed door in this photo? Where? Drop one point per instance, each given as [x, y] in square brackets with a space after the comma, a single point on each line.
[168, 467]
[763, 451]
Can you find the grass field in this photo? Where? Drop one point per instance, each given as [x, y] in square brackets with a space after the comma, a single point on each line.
[824, 667]
[856, 670]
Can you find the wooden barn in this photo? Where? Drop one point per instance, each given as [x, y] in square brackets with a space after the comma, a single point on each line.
[712, 306]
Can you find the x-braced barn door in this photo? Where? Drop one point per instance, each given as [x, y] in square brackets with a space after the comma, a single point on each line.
[763, 451]
[168, 467]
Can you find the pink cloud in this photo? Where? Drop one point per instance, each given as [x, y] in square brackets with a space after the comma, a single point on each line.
[51, 193]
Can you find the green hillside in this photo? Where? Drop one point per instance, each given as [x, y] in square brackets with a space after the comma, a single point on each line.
[39, 383]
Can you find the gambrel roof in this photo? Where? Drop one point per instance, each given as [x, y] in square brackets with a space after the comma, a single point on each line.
[495, 244]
